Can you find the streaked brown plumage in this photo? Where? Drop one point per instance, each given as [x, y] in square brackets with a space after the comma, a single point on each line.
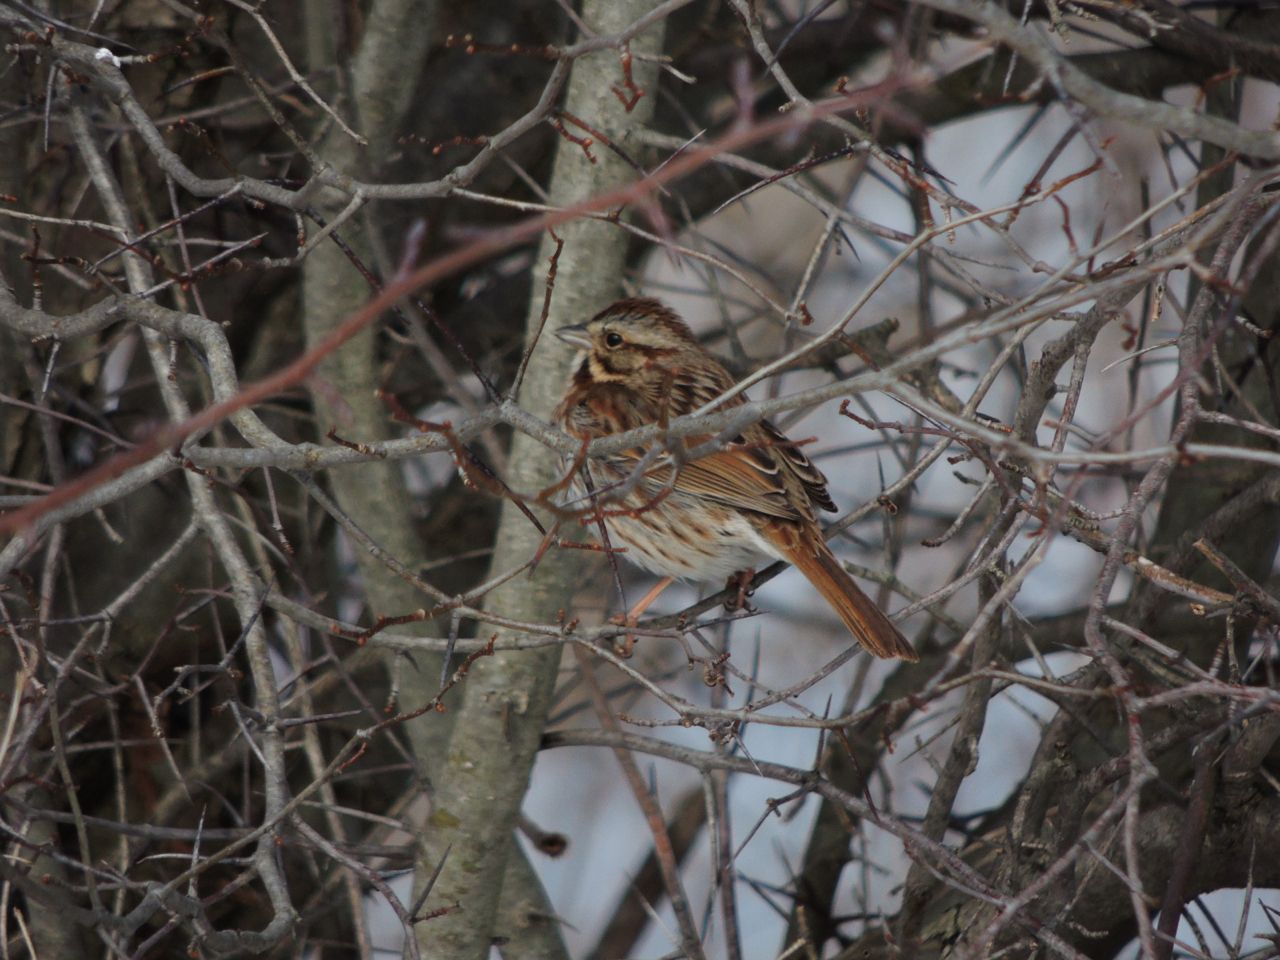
[727, 512]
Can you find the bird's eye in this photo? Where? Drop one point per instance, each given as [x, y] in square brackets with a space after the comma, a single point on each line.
[612, 339]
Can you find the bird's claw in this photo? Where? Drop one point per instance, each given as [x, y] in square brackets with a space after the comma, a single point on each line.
[740, 599]
[624, 645]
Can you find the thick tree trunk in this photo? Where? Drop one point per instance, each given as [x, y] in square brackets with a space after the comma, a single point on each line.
[499, 725]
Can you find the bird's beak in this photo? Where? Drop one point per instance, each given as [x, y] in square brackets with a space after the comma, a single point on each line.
[575, 334]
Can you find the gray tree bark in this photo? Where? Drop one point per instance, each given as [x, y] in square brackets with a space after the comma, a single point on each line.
[375, 497]
[499, 725]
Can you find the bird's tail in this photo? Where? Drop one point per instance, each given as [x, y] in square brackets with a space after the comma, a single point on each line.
[809, 553]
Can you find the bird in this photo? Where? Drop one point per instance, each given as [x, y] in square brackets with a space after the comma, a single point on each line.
[753, 500]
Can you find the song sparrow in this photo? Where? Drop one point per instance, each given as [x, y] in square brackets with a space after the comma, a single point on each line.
[753, 500]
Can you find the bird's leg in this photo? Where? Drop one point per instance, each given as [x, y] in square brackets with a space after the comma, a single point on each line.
[741, 583]
[624, 646]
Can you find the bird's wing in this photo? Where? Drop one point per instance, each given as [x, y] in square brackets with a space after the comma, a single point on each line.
[755, 472]
[740, 476]
[810, 478]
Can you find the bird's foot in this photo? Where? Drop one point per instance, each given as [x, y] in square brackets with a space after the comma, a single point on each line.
[624, 645]
[740, 583]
